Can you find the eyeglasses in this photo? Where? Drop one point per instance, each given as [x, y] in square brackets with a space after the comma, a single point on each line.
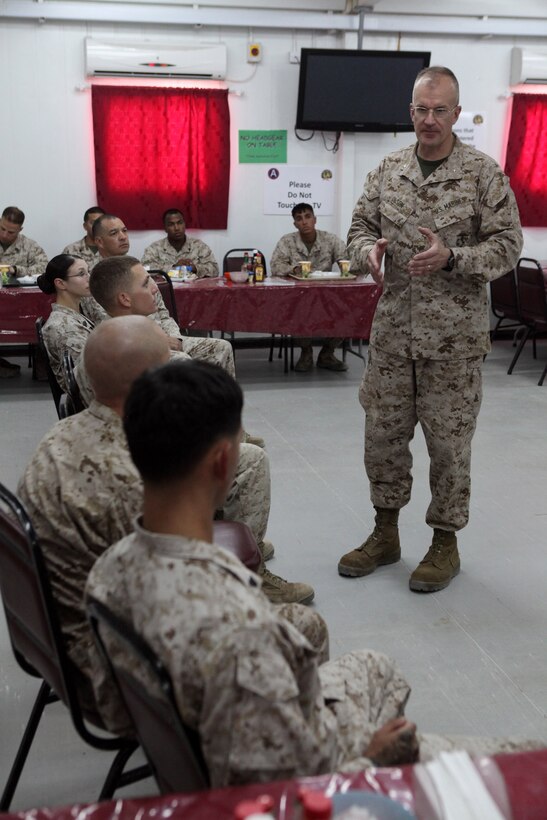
[441, 113]
[78, 275]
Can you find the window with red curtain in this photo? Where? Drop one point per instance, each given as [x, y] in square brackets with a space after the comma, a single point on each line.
[526, 162]
[160, 148]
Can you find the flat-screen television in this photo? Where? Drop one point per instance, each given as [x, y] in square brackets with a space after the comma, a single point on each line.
[346, 90]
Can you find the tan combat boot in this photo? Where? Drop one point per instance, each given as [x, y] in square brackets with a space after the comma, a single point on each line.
[440, 565]
[267, 550]
[381, 547]
[280, 591]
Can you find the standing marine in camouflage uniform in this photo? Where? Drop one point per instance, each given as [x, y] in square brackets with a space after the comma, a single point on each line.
[323, 250]
[179, 249]
[445, 219]
[24, 257]
[86, 248]
[246, 675]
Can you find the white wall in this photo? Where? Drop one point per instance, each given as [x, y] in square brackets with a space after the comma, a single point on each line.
[46, 141]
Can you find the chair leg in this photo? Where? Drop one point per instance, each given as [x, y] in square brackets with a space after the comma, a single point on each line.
[540, 382]
[534, 348]
[272, 343]
[116, 777]
[45, 696]
[519, 350]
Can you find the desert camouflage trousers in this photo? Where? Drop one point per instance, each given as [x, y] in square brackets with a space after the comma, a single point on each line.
[365, 689]
[249, 498]
[444, 396]
[214, 351]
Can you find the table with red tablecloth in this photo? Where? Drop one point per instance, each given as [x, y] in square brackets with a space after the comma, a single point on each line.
[524, 776]
[19, 309]
[337, 308]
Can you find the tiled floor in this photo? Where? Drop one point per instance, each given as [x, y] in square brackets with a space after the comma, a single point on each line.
[474, 653]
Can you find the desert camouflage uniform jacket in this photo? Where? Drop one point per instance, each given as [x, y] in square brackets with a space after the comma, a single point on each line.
[162, 255]
[26, 255]
[245, 677]
[325, 251]
[67, 329]
[82, 492]
[82, 249]
[468, 203]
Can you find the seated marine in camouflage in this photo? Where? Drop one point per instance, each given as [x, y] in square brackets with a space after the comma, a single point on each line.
[265, 703]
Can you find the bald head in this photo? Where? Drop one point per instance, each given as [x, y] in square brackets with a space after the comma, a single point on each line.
[118, 351]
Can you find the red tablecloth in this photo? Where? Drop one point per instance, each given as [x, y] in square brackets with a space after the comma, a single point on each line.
[336, 308]
[525, 777]
[280, 306]
[19, 309]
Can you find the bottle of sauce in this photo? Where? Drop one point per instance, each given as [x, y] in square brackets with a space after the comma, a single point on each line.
[258, 266]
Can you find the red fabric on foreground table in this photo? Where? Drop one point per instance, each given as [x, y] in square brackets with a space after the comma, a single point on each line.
[336, 308]
[525, 776]
[19, 309]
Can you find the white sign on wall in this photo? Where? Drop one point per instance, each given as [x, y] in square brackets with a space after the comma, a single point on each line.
[287, 185]
[471, 129]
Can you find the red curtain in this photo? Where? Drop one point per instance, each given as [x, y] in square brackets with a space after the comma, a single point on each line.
[160, 148]
[526, 162]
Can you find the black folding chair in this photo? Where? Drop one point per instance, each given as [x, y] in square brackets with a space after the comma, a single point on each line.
[163, 281]
[75, 403]
[504, 302]
[172, 748]
[54, 386]
[532, 296]
[38, 646]
[233, 260]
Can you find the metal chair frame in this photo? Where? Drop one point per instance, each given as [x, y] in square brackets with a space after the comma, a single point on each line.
[38, 646]
[172, 749]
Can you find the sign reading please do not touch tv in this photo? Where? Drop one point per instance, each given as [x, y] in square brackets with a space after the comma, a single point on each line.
[287, 185]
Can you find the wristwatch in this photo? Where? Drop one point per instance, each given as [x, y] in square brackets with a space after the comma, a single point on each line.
[450, 261]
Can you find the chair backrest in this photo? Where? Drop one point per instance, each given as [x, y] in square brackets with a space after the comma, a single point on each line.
[504, 296]
[54, 386]
[532, 293]
[31, 615]
[172, 748]
[238, 538]
[73, 389]
[66, 407]
[233, 259]
[162, 280]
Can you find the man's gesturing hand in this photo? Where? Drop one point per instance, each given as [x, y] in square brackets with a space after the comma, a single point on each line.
[394, 744]
[431, 260]
[374, 260]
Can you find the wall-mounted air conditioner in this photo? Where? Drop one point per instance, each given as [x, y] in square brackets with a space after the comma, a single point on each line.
[528, 66]
[199, 61]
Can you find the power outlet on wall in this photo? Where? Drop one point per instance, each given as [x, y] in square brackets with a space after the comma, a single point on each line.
[294, 57]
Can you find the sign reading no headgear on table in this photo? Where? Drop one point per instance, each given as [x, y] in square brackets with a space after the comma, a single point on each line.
[287, 185]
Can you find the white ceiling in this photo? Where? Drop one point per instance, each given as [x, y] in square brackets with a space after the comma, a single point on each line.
[471, 8]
